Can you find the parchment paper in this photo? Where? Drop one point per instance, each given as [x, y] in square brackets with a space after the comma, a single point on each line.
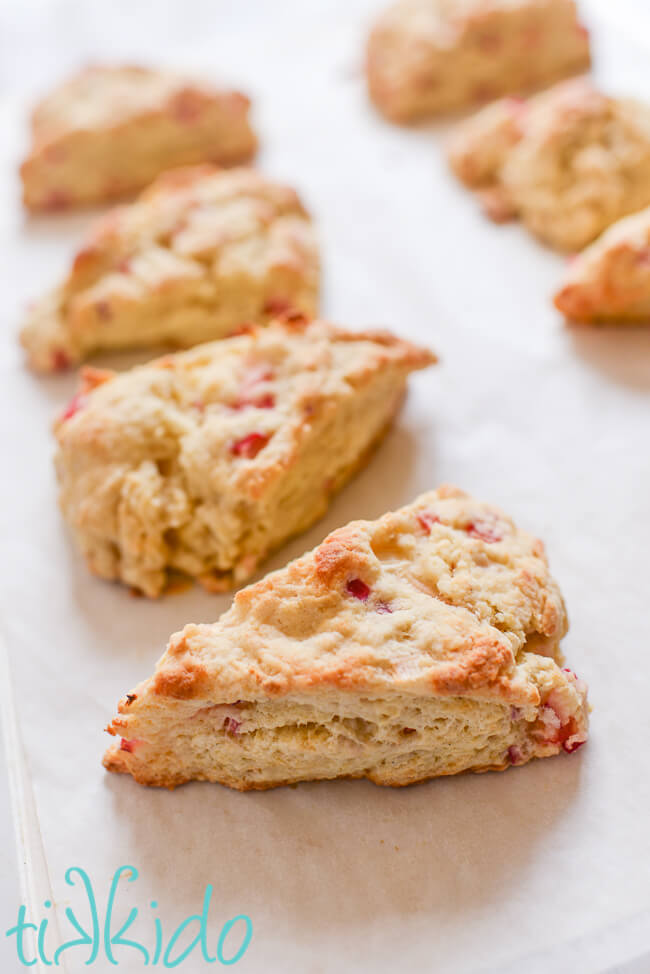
[544, 867]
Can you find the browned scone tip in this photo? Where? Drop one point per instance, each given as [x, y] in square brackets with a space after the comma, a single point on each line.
[609, 282]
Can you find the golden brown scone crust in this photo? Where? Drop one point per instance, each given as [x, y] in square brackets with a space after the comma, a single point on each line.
[204, 462]
[610, 280]
[200, 253]
[568, 162]
[108, 131]
[430, 56]
[424, 643]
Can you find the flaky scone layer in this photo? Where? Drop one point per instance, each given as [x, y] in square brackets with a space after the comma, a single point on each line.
[610, 280]
[422, 644]
[205, 461]
[568, 162]
[199, 254]
[108, 131]
[430, 56]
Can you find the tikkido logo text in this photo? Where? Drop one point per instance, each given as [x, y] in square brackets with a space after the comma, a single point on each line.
[193, 938]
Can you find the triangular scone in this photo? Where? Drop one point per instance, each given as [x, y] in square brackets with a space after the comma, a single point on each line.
[429, 56]
[610, 280]
[568, 162]
[205, 461]
[201, 252]
[109, 130]
[422, 644]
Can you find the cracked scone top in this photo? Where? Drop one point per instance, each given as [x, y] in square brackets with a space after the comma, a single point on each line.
[204, 462]
[429, 56]
[568, 162]
[200, 253]
[108, 131]
[610, 280]
[425, 643]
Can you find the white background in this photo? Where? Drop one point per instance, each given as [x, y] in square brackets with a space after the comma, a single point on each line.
[551, 423]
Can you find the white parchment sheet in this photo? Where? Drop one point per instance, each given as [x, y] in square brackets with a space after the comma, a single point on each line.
[521, 871]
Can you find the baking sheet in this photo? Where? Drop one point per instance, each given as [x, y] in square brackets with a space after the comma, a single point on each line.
[545, 864]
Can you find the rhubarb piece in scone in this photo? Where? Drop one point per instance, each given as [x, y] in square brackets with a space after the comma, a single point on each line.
[422, 644]
[568, 162]
[204, 462]
[200, 253]
[610, 280]
[108, 131]
[430, 56]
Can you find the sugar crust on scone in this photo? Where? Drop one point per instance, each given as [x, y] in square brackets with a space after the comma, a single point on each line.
[200, 253]
[610, 280]
[425, 643]
[109, 130]
[204, 462]
[430, 56]
[568, 162]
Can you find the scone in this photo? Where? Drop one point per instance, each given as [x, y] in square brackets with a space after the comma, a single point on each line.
[422, 644]
[205, 461]
[610, 280]
[479, 147]
[200, 253]
[430, 56]
[568, 162]
[108, 131]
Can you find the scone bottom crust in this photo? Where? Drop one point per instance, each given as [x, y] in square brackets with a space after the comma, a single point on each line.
[422, 644]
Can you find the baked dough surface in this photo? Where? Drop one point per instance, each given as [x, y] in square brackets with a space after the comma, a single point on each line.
[425, 643]
[108, 131]
[201, 252]
[431, 56]
[204, 462]
[610, 280]
[568, 162]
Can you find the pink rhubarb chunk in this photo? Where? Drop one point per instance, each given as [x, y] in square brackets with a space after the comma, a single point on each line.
[76, 403]
[426, 519]
[486, 530]
[358, 589]
[130, 746]
[249, 446]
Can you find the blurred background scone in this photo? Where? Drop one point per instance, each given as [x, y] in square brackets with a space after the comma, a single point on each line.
[205, 461]
[200, 253]
[108, 131]
[610, 280]
[425, 643]
[569, 162]
[430, 56]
